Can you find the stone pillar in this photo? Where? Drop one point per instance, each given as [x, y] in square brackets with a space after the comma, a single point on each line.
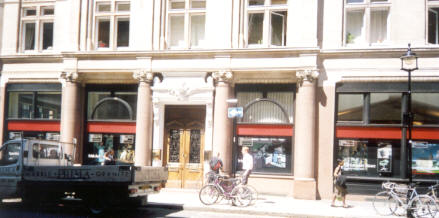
[143, 150]
[70, 130]
[222, 125]
[304, 136]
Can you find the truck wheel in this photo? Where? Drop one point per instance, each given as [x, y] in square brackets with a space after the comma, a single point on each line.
[97, 205]
[137, 201]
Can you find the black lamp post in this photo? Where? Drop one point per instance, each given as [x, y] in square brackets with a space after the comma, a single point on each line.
[409, 63]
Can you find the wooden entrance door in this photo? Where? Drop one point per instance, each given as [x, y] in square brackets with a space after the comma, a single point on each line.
[184, 154]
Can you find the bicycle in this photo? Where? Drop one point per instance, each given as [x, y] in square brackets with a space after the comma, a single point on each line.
[394, 201]
[432, 192]
[210, 179]
[230, 189]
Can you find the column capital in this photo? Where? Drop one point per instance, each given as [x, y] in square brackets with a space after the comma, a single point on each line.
[70, 76]
[143, 76]
[222, 76]
[307, 75]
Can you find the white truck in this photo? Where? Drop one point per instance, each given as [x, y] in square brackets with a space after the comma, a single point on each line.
[38, 170]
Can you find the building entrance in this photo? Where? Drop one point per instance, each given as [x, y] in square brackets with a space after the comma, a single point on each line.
[184, 145]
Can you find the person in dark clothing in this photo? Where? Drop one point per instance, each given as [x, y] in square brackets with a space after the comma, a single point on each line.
[340, 185]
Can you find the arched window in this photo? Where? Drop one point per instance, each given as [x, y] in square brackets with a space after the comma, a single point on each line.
[263, 110]
[112, 108]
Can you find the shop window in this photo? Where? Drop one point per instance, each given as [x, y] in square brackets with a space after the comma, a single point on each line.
[366, 22]
[270, 155]
[433, 25]
[9, 153]
[271, 33]
[34, 105]
[100, 143]
[370, 157]
[186, 24]
[112, 23]
[385, 108]
[111, 105]
[350, 107]
[425, 107]
[37, 28]
[425, 159]
[266, 106]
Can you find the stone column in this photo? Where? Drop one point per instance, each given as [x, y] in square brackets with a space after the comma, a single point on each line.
[222, 125]
[304, 136]
[143, 150]
[70, 129]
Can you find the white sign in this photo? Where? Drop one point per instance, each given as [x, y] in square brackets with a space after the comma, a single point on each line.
[235, 112]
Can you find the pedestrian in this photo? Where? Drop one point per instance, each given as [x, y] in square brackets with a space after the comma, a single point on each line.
[109, 157]
[247, 164]
[340, 184]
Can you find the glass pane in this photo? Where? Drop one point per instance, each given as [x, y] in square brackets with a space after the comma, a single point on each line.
[30, 12]
[123, 6]
[197, 30]
[93, 98]
[425, 107]
[48, 105]
[270, 155]
[174, 145]
[9, 154]
[112, 110]
[130, 98]
[264, 112]
[255, 28]
[177, 4]
[374, 1]
[256, 2]
[425, 159]
[104, 33]
[278, 28]
[378, 25]
[194, 150]
[354, 1]
[350, 107]
[278, 2]
[123, 32]
[29, 36]
[20, 105]
[47, 35]
[45, 151]
[286, 99]
[385, 108]
[198, 4]
[47, 11]
[433, 28]
[103, 7]
[176, 31]
[355, 30]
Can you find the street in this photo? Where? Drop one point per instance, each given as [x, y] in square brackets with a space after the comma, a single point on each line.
[16, 209]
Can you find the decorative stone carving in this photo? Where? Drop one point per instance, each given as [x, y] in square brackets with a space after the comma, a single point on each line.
[307, 75]
[156, 110]
[69, 76]
[182, 92]
[209, 114]
[222, 76]
[143, 76]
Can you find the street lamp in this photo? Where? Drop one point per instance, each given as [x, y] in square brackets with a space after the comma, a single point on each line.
[409, 63]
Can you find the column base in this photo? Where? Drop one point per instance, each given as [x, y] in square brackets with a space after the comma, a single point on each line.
[305, 189]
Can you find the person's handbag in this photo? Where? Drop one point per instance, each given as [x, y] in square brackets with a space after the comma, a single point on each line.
[341, 181]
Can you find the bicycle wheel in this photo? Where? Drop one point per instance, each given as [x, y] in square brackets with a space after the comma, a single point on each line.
[254, 193]
[241, 196]
[384, 204]
[209, 194]
[425, 206]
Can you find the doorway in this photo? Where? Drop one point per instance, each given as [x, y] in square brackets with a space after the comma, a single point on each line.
[184, 145]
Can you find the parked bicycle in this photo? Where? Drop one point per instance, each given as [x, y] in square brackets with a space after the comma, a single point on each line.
[394, 201]
[433, 192]
[230, 189]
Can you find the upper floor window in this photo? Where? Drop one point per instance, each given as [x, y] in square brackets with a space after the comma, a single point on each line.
[186, 22]
[433, 22]
[366, 22]
[112, 24]
[266, 23]
[37, 28]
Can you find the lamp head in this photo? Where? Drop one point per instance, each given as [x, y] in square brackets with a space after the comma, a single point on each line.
[409, 61]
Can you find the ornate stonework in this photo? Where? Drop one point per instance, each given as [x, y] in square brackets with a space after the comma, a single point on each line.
[307, 75]
[69, 76]
[143, 76]
[222, 76]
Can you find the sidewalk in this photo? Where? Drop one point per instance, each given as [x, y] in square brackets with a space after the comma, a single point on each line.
[266, 205]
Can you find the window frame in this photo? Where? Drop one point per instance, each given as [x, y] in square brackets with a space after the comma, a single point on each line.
[267, 9]
[113, 15]
[430, 5]
[38, 19]
[367, 6]
[187, 13]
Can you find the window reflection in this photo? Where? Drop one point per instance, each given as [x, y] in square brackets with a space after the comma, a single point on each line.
[425, 107]
[350, 107]
[385, 108]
